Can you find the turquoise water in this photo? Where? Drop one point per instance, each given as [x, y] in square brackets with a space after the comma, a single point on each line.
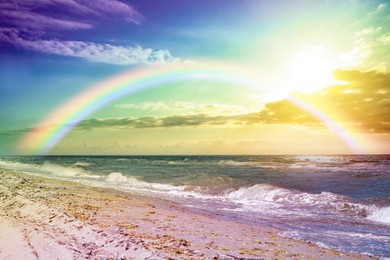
[342, 202]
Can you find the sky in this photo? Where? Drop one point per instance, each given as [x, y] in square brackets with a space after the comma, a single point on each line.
[321, 71]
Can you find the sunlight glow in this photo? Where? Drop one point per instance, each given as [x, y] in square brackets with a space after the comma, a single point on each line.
[310, 71]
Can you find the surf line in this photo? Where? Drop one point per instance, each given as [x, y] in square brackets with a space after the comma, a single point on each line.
[48, 132]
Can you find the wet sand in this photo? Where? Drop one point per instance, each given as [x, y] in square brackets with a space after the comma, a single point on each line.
[43, 218]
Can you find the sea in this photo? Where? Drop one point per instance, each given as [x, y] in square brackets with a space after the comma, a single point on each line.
[340, 202]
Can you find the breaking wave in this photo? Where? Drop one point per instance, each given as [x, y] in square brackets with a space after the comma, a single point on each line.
[82, 164]
[282, 196]
[123, 181]
[247, 163]
[381, 215]
[130, 183]
[48, 168]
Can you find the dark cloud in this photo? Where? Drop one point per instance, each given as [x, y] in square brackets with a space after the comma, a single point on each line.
[285, 112]
[11, 133]
[153, 122]
[363, 101]
[366, 99]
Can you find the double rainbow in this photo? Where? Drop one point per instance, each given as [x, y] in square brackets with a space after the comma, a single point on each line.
[48, 132]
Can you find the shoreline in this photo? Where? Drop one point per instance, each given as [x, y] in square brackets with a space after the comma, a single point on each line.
[42, 218]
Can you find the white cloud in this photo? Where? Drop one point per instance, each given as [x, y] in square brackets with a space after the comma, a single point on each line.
[359, 52]
[26, 20]
[96, 52]
[41, 15]
[37, 26]
[385, 38]
[371, 46]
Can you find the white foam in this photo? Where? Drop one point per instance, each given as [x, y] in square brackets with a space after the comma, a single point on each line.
[119, 181]
[116, 177]
[133, 183]
[174, 163]
[246, 163]
[82, 164]
[381, 215]
[320, 159]
[48, 168]
[17, 166]
[267, 192]
[261, 193]
[64, 171]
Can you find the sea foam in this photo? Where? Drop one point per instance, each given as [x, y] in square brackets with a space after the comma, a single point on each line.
[82, 164]
[132, 182]
[247, 163]
[61, 170]
[381, 215]
[48, 168]
[269, 193]
[116, 177]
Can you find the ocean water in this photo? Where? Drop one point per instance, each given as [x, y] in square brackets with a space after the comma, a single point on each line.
[341, 202]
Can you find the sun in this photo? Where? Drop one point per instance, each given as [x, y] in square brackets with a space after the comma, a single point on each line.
[309, 71]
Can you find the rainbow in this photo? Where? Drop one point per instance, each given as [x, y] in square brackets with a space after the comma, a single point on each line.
[337, 128]
[48, 132]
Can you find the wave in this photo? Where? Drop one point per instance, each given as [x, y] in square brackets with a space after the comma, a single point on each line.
[380, 215]
[176, 162]
[296, 164]
[48, 168]
[321, 159]
[82, 164]
[132, 182]
[13, 165]
[282, 196]
[60, 170]
[247, 163]
[119, 181]
[123, 159]
[260, 192]
[116, 177]
[216, 188]
[206, 182]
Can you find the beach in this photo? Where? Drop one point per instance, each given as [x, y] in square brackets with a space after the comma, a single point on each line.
[44, 218]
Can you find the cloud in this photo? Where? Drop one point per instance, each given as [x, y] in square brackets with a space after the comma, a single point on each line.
[160, 122]
[370, 49]
[38, 25]
[40, 15]
[285, 112]
[28, 20]
[96, 52]
[185, 108]
[362, 101]
[15, 132]
[193, 120]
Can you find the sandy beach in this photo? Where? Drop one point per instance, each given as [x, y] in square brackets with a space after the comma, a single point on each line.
[44, 218]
